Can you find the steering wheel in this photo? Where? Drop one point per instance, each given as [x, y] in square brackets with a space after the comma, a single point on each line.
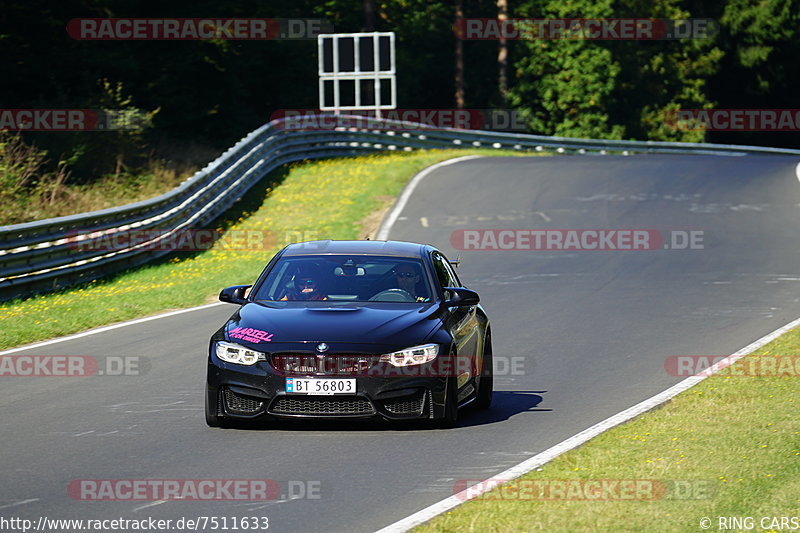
[393, 295]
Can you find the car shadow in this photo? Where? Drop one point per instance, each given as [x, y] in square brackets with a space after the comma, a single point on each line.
[505, 404]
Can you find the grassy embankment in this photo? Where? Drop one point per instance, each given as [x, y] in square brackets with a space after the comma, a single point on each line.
[735, 437]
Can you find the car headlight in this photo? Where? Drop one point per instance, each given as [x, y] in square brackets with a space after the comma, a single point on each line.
[415, 355]
[236, 353]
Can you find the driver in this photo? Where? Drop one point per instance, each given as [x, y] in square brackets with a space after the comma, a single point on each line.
[407, 277]
[305, 288]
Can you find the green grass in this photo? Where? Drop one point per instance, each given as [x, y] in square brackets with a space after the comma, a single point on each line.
[317, 200]
[31, 190]
[738, 436]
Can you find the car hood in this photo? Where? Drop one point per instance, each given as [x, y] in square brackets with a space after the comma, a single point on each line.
[379, 323]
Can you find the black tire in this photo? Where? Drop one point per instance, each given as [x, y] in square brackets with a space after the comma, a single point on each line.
[483, 398]
[450, 418]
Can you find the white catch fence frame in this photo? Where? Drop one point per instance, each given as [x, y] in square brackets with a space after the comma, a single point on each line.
[376, 75]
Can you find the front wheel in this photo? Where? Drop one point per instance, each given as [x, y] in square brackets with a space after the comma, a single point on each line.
[486, 379]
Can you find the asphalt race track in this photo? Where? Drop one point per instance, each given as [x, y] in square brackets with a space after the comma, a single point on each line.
[592, 330]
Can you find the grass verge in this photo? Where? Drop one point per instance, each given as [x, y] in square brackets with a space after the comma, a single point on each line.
[31, 190]
[324, 199]
[725, 450]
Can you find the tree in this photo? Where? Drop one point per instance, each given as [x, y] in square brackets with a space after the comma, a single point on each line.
[659, 77]
[612, 88]
[125, 123]
[564, 87]
[760, 68]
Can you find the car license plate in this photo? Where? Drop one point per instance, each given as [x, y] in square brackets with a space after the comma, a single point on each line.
[320, 386]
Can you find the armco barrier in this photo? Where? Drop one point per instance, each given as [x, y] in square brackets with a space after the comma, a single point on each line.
[41, 255]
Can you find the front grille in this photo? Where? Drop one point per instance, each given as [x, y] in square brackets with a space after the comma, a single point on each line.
[238, 404]
[315, 405]
[406, 406]
[327, 365]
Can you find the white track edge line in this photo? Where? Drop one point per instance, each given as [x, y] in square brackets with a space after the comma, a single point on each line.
[426, 514]
[108, 328]
[391, 218]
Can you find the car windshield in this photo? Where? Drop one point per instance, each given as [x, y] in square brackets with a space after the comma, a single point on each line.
[346, 279]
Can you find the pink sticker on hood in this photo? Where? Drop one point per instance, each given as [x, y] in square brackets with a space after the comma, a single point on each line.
[250, 335]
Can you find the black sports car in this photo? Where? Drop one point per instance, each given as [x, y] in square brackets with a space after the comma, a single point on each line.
[351, 329]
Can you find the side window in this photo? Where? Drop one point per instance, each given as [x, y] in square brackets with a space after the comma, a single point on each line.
[444, 273]
[452, 273]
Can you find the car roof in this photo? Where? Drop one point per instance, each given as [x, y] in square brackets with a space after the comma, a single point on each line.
[329, 247]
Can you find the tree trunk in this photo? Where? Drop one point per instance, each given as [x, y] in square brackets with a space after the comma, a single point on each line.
[118, 166]
[459, 78]
[502, 51]
[369, 15]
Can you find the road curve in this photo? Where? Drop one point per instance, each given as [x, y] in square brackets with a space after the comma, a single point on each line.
[592, 328]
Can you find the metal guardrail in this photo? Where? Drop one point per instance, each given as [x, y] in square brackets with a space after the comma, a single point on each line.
[48, 254]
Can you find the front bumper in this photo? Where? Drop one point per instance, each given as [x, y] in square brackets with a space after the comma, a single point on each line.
[259, 392]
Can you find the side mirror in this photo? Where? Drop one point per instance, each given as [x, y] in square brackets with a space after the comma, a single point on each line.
[234, 295]
[461, 297]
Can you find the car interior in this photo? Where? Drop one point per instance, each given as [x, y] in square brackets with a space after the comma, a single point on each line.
[345, 279]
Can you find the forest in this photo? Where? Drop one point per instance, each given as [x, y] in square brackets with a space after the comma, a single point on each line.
[195, 97]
